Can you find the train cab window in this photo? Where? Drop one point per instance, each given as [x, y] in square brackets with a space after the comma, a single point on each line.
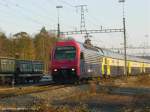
[65, 52]
[81, 55]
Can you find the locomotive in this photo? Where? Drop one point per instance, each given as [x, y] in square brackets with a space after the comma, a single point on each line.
[20, 71]
[73, 61]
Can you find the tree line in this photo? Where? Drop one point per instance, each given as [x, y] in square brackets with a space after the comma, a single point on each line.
[23, 46]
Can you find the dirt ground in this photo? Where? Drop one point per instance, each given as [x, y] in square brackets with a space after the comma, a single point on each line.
[115, 95]
[131, 94]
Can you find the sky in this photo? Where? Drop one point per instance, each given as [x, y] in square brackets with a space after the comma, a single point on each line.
[31, 15]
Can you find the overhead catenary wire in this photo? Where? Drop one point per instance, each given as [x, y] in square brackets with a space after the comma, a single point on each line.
[28, 13]
[10, 14]
[73, 7]
[24, 15]
[36, 20]
[43, 10]
[91, 19]
[54, 3]
[67, 3]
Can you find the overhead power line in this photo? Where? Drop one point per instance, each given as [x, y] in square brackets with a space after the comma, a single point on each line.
[92, 31]
[44, 12]
[31, 12]
[25, 16]
[67, 3]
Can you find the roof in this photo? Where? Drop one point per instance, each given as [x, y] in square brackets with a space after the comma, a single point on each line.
[100, 51]
[109, 53]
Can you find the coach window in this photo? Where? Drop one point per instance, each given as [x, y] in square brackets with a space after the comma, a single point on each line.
[81, 55]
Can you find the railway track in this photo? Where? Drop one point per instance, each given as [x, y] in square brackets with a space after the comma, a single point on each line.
[54, 92]
[16, 91]
[37, 88]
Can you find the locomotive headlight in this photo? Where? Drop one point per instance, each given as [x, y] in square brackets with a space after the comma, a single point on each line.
[89, 70]
[55, 70]
[73, 69]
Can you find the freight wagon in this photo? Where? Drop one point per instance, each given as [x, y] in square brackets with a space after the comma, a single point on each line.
[20, 71]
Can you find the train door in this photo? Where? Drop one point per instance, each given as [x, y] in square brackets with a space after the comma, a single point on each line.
[103, 70]
[104, 67]
[143, 68]
[118, 68]
[82, 64]
[108, 67]
[129, 68]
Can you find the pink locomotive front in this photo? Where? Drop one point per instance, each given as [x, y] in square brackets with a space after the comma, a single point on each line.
[65, 65]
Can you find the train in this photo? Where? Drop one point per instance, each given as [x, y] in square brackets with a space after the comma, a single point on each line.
[20, 71]
[72, 61]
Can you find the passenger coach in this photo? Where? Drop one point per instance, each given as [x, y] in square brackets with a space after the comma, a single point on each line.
[72, 61]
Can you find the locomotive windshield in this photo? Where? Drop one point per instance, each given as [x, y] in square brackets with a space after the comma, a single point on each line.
[65, 52]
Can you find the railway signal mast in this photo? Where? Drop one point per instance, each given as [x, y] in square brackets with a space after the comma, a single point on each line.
[125, 40]
[58, 25]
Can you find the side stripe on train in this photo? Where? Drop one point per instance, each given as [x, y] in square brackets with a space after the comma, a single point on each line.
[108, 64]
